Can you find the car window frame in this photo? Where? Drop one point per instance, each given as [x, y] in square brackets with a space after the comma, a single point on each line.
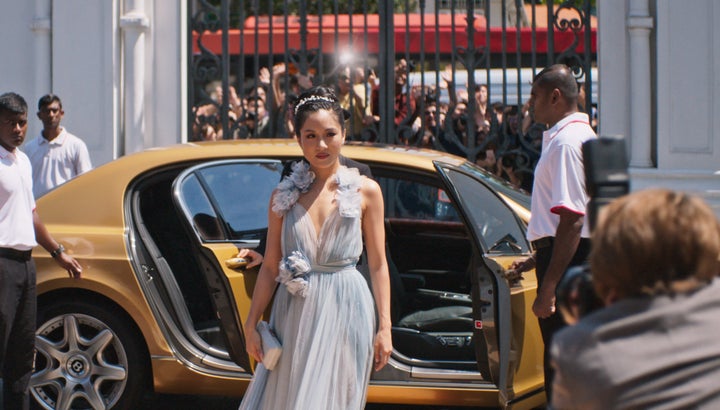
[209, 194]
[510, 215]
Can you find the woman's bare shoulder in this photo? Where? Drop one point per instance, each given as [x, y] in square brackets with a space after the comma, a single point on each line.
[370, 188]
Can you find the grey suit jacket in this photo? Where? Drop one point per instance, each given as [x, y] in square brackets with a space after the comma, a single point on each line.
[644, 353]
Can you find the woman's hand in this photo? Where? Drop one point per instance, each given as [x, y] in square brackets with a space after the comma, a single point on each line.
[383, 348]
[254, 258]
[253, 344]
[264, 75]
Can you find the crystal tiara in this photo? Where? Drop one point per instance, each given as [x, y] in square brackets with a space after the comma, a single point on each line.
[310, 99]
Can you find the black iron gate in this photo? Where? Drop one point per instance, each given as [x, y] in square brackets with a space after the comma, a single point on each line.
[452, 75]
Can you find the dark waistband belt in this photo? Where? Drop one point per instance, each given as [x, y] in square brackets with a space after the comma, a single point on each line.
[544, 242]
[14, 254]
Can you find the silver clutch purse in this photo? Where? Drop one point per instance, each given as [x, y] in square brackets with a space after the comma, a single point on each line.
[270, 344]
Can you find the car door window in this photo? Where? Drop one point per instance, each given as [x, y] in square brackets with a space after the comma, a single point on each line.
[229, 200]
[411, 199]
[494, 222]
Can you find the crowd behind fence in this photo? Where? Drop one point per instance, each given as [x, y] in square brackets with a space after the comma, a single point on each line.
[461, 98]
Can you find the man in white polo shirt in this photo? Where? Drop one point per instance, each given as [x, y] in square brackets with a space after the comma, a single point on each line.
[557, 229]
[56, 155]
[20, 231]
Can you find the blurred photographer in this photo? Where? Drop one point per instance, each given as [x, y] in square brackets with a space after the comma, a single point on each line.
[654, 344]
[207, 124]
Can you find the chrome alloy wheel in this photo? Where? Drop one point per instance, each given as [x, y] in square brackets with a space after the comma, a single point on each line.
[80, 364]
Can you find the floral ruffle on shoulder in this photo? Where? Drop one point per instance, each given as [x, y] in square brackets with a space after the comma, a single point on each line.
[348, 194]
[290, 188]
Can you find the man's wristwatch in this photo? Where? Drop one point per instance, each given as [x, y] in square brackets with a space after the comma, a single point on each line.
[60, 249]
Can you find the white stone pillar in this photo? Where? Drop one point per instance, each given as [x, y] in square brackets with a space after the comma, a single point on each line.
[133, 24]
[640, 23]
[41, 27]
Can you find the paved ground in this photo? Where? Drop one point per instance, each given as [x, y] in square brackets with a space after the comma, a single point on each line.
[182, 402]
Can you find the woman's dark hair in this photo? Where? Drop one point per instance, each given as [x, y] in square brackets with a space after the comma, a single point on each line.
[314, 99]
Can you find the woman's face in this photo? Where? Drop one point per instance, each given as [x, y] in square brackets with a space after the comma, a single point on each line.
[321, 137]
[482, 94]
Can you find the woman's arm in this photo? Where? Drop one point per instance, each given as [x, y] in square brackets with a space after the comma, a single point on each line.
[265, 285]
[373, 225]
[279, 71]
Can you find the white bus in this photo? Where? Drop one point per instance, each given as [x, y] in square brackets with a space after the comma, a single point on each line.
[495, 83]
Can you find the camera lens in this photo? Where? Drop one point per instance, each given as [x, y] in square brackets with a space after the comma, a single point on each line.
[576, 295]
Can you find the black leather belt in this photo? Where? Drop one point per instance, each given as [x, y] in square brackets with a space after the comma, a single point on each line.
[544, 242]
[14, 254]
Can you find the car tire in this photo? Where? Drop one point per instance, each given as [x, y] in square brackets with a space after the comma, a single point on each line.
[88, 356]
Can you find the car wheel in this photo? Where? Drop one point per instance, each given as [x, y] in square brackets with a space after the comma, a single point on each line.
[88, 357]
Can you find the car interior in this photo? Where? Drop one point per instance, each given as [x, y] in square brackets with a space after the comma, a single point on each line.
[194, 308]
[429, 250]
[430, 256]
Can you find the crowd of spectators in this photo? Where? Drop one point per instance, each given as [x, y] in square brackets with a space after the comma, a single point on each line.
[502, 139]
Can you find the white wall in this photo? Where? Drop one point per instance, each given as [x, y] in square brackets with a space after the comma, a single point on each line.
[84, 58]
[16, 48]
[80, 50]
[688, 84]
[682, 150]
[167, 96]
[614, 70]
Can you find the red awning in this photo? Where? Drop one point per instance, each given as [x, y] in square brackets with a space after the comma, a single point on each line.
[360, 33]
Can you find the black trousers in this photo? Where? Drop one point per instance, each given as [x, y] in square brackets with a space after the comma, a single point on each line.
[555, 322]
[17, 330]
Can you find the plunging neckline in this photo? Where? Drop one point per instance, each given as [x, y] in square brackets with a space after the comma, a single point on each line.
[317, 234]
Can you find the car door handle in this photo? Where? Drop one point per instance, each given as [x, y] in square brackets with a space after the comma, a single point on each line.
[236, 263]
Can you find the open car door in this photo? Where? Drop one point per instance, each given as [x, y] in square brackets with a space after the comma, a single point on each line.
[224, 205]
[499, 309]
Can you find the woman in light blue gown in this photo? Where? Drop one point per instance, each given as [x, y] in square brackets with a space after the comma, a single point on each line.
[323, 312]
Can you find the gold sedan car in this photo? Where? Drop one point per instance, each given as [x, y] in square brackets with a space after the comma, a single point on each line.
[159, 306]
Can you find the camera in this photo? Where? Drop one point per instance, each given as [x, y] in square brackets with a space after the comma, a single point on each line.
[606, 178]
[509, 160]
[576, 295]
[410, 66]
